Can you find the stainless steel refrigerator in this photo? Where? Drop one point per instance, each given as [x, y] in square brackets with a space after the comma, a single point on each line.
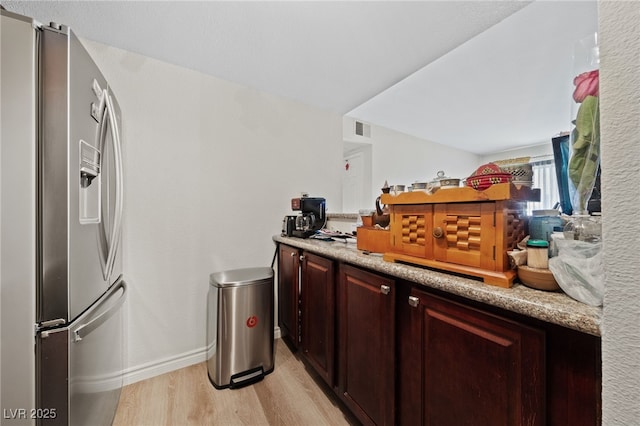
[61, 304]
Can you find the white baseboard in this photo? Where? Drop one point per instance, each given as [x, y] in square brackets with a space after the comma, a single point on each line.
[169, 364]
[165, 365]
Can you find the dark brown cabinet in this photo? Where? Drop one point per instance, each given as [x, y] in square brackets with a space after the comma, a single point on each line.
[574, 378]
[475, 368]
[288, 293]
[306, 307]
[398, 353]
[366, 350]
[318, 314]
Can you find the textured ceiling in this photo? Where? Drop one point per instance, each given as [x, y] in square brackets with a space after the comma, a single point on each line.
[509, 87]
[334, 55]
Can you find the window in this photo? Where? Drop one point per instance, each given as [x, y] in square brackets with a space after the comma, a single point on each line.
[544, 177]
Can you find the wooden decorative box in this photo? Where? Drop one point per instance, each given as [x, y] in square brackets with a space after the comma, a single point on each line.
[373, 240]
[460, 230]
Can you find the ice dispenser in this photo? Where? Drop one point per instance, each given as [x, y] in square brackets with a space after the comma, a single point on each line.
[90, 196]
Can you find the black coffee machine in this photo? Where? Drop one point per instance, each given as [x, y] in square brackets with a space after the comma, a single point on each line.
[312, 217]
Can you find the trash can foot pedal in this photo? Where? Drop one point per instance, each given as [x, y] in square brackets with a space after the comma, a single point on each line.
[246, 377]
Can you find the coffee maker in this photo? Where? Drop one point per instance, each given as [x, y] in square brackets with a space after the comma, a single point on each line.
[312, 216]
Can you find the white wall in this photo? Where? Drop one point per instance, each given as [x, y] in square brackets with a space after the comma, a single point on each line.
[619, 30]
[538, 150]
[401, 159]
[210, 170]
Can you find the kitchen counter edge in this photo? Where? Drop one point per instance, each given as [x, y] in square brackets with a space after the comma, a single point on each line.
[553, 307]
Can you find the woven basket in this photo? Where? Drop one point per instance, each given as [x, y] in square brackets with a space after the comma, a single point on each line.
[520, 169]
[481, 182]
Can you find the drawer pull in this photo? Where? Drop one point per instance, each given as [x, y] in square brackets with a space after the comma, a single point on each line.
[438, 232]
[414, 301]
[385, 289]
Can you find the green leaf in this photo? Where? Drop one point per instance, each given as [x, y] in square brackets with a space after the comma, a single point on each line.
[584, 161]
[587, 122]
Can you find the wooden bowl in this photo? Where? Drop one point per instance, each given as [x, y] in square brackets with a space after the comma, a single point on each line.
[541, 279]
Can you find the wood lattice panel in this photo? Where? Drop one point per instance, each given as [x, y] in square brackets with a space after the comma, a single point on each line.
[463, 232]
[515, 229]
[414, 229]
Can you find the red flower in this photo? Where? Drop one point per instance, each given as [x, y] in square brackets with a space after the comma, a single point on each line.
[587, 84]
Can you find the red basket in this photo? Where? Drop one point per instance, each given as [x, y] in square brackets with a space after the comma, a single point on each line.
[481, 182]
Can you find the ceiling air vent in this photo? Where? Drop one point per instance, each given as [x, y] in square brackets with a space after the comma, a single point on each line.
[363, 129]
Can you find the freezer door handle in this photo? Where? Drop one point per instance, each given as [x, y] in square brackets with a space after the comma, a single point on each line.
[84, 329]
[117, 150]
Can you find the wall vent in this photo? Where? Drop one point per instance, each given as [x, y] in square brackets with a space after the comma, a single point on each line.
[363, 129]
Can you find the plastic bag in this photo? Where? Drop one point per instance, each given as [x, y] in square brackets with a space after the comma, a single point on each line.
[578, 270]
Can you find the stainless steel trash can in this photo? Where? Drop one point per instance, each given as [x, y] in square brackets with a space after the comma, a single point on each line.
[240, 327]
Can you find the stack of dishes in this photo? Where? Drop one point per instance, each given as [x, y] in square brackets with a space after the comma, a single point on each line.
[520, 169]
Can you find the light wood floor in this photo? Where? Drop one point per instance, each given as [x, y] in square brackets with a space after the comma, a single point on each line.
[287, 396]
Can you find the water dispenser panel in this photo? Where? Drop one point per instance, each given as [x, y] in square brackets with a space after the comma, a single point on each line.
[90, 197]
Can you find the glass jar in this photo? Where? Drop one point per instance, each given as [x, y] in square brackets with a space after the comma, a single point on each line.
[593, 229]
[574, 229]
[583, 228]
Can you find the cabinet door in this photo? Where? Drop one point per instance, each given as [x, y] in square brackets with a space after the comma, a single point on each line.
[464, 234]
[476, 368]
[574, 378]
[366, 345]
[288, 293]
[411, 230]
[318, 314]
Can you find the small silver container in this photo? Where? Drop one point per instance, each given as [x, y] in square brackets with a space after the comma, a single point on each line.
[397, 189]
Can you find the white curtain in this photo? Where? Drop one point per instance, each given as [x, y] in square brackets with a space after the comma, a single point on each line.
[544, 177]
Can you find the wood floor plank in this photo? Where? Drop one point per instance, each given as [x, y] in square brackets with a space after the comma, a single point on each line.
[300, 401]
[288, 396]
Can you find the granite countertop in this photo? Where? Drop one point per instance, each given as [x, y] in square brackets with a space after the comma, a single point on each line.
[552, 307]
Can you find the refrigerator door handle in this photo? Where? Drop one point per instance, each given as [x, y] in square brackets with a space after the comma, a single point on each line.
[117, 221]
[84, 329]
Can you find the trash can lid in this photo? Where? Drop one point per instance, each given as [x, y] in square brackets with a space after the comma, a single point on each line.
[240, 277]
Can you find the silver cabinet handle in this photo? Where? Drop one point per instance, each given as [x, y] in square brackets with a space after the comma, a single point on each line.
[301, 258]
[414, 301]
[293, 254]
[385, 289]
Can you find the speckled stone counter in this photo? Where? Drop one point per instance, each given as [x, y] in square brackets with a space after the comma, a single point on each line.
[552, 307]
